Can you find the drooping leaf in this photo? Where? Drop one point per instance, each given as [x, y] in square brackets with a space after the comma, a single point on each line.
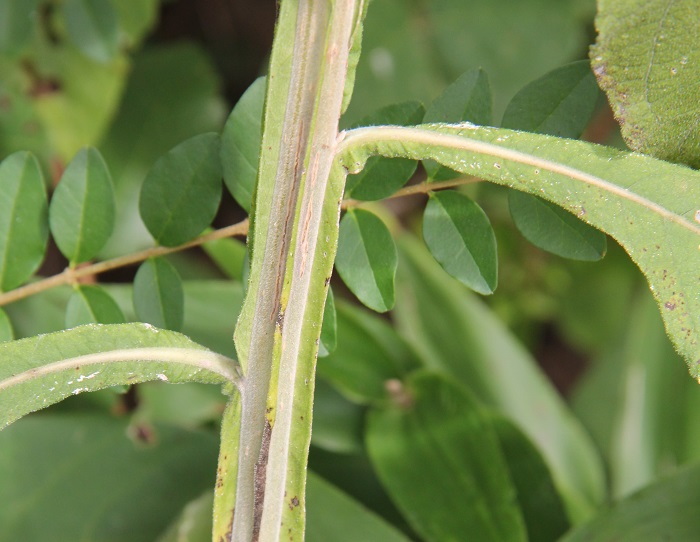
[559, 103]
[328, 340]
[333, 515]
[15, 24]
[467, 99]
[92, 305]
[42, 370]
[81, 214]
[240, 143]
[158, 295]
[369, 353]
[437, 452]
[181, 193]
[6, 331]
[381, 177]
[647, 60]
[338, 424]
[460, 237]
[92, 27]
[366, 259]
[555, 230]
[23, 219]
[88, 480]
[647, 205]
[666, 510]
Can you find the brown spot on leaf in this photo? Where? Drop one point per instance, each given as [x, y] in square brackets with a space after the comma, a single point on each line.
[293, 503]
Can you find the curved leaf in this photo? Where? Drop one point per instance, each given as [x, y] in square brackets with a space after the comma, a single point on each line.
[92, 305]
[92, 27]
[650, 207]
[23, 219]
[366, 259]
[81, 214]
[460, 237]
[6, 331]
[158, 294]
[42, 370]
[181, 193]
[647, 60]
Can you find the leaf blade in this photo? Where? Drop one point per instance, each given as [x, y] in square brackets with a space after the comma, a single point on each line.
[158, 294]
[92, 305]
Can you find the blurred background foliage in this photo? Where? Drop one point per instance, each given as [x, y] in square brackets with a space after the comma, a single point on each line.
[136, 77]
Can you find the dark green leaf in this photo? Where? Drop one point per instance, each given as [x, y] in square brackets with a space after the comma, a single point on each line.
[15, 24]
[240, 143]
[369, 353]
[181, 193]
[23, 219]
[228, 255]
[92, 27]
[381, 177]
[328, 340]
[81, 214]
[467, 99]
[559, 103]
[6, 331]
[438, 455]
[338, 423]
[334, 516]
[460, 237]
[366, 259]
[87, 480]
[158, 294]
[92, 305]
[555, 230]
[540, 504]
[647, 60]
[666, 510]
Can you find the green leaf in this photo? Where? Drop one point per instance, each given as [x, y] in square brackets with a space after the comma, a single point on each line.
[40, 371]
[88, 480]
[369, 353]
[647, 205]
[467, 99]
[23, 219]
[81, 214]
[647, 61]
[333, 515]
[181, 193]
[666, 510]
[92, 27]
[228, 255]
[240, 143]
[338, 424]
[559, 103]
[434, 449]
[555, 230]
[158, 294]
[328, 340]
[460, 237]
[366, 259]
[194, 524]
[381, 177]
[6, 331]
[136, 18]
[15, 24]
[92, 305]
[456, 334]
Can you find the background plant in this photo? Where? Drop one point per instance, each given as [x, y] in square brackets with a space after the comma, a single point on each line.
[405, 394]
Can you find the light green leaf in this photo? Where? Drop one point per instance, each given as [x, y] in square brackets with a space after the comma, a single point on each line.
[647, 60]
[158, 295]
[434, 447]
[381, 177]
[92, 305]
[460, 237]
[366, 259]
[240, 143]
[194, 524]
[555, 230]
[40, 371]
[15, 24]
[467, 99]
[136, 18]
[6, 331]
[328, 340]
[649, 206]
[181, 194]
[559, 103]
[333, 515]
[89, 479]
[81, 214]
[92, 27]
[665, 510]
[23, 219]
[228, 255]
